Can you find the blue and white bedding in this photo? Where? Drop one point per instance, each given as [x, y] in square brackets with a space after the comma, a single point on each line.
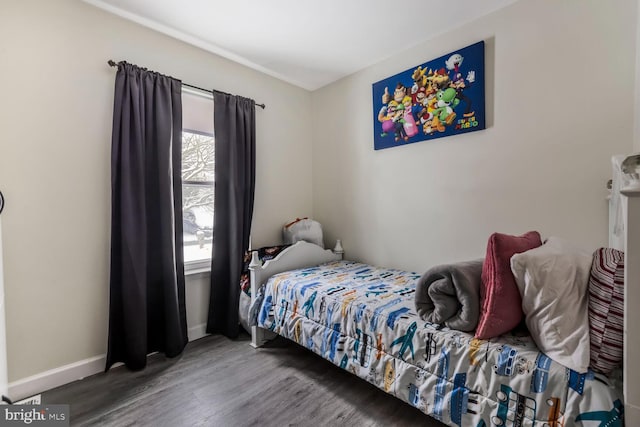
[363, 319]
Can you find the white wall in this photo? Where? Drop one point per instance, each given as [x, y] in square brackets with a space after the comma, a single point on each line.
[55, 115]
[197, 301]
[559, 104]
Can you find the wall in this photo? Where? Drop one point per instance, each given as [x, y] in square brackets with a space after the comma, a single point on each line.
[55, 116]
[197, 302]
[559, 104]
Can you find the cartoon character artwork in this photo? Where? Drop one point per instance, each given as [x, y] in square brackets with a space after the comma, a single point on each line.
[419, 80]
[438, 98]
[438, 79]
[454, 61]
[409, 124]
[458, 81]
[398, 123]
[444, 113]
[385, 115]
[426, 115]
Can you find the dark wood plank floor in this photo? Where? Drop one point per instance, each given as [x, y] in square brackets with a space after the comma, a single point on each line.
[222, 382]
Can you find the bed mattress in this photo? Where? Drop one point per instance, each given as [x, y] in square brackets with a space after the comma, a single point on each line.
[363, 319]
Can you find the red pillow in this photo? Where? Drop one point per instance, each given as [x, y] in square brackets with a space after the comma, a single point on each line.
[500, 301]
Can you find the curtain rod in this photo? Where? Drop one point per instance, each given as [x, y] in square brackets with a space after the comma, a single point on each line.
[112, 63]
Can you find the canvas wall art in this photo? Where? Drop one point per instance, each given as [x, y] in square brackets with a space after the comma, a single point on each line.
[441, 97]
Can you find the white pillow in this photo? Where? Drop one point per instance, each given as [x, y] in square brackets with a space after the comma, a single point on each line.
[303, 229]
[553, 282]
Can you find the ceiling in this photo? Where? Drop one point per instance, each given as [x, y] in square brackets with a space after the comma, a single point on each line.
[307, 43]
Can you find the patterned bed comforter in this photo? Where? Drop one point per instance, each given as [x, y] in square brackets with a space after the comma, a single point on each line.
[363, 319]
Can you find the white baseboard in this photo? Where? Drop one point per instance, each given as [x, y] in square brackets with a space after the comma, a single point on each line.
[53, 378]
[197, 332]
[33, 400]
[56, 377]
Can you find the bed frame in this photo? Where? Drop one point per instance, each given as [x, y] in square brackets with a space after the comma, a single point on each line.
[298, 255]
[303, 254]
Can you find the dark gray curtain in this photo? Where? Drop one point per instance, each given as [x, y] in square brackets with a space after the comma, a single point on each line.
[235, 139]
[146, 301]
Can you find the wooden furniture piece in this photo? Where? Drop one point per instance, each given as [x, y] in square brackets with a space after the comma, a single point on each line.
[298, 255]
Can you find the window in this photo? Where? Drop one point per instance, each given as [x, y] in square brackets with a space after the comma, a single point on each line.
[197, 194]
[198, 162]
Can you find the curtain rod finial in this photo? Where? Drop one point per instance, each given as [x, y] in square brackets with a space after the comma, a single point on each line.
[112, 63]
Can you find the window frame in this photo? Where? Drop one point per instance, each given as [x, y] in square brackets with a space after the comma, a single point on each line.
[199, 265]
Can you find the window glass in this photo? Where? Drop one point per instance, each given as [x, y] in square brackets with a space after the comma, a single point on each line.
[198, 162]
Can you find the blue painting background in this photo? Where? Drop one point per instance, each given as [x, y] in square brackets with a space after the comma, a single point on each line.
[398, 129]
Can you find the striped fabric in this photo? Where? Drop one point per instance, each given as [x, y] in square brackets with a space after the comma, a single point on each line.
[606, 309]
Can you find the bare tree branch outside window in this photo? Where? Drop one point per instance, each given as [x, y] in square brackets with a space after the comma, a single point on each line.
[198, 160]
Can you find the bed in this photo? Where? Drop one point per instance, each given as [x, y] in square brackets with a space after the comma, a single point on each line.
[363, 319]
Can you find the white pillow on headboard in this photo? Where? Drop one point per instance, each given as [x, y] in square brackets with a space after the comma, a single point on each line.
[303, 229]
[553, 282]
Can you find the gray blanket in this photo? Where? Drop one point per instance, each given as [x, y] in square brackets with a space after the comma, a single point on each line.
[449, 295]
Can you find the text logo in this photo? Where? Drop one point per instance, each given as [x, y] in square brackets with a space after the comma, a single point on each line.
[34, 415]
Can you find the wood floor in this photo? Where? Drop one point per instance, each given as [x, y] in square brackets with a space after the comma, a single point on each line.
[220, 382]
